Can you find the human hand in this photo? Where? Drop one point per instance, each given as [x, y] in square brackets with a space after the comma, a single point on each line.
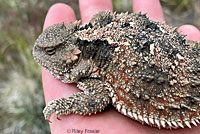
[109, 121]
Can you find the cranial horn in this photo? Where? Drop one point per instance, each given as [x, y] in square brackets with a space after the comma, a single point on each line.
[63, 25]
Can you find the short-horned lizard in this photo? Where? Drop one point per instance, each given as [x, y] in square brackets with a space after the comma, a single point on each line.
[145, 69]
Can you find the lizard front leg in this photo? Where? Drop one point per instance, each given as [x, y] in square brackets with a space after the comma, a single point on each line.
[94, 98]
[83, 69]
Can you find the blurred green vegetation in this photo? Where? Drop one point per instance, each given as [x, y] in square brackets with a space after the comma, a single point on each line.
[21, 93]
[179, 12]
[178, 5]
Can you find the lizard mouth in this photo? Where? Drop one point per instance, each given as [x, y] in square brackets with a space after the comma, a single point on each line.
[59, 70]
[53, 68]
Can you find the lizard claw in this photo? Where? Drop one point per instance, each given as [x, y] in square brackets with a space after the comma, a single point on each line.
[49, 121]
[52, 107]
[58, 118]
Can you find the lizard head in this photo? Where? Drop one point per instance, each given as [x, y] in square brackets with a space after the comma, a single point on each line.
[56, 49]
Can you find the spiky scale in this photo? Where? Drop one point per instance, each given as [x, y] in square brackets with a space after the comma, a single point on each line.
[163, 123]
[146, 120]
[151, 121]
[135, 116]
[187, 123]
[146, 69]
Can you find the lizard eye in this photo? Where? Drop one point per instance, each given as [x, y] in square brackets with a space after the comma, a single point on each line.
[50, 50]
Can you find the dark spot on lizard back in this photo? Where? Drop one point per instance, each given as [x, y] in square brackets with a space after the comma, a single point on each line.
[107, 20]
[99, 50]
[89, 25]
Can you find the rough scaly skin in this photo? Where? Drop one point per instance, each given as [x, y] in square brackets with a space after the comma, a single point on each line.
[145, 69]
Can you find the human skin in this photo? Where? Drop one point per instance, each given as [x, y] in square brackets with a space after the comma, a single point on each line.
[108, 121]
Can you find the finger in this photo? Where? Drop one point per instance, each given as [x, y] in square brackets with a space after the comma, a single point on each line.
[89, 7]
[192, 32]
[151, 7]
[59, 13]
[54, 88]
